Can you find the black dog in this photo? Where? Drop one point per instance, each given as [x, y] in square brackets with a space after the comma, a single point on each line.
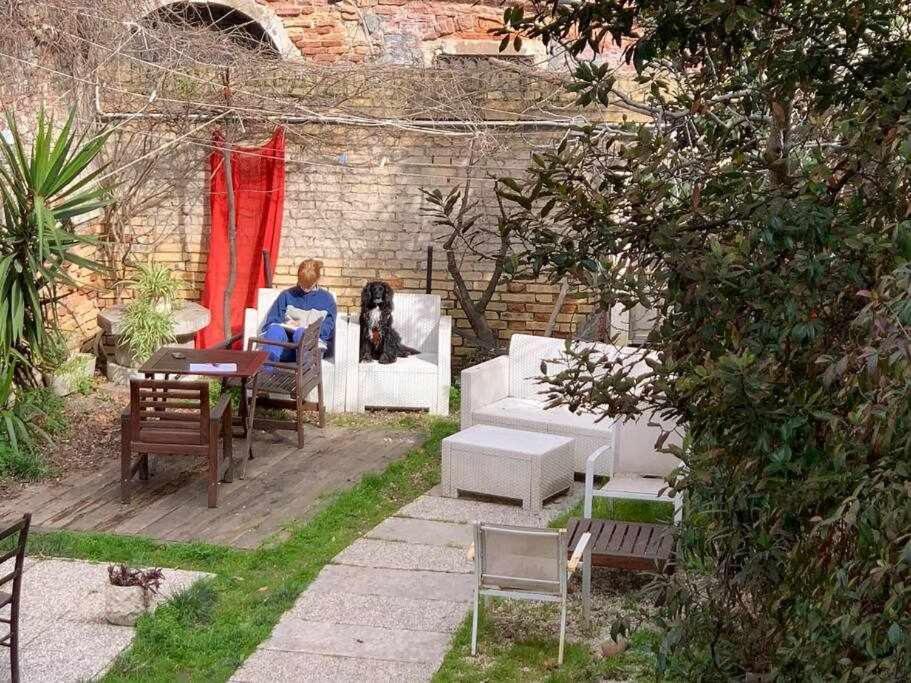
[378, 340]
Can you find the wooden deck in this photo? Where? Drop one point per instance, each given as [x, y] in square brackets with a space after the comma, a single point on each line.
[282, 484]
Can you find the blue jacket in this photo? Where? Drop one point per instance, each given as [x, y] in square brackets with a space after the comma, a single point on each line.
[319, 299]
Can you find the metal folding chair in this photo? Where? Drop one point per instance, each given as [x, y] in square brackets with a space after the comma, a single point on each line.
[522, 563]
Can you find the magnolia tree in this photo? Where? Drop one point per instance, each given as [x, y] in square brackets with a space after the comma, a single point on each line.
[762, 209]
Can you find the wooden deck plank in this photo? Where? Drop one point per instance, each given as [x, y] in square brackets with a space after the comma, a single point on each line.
[283, 483]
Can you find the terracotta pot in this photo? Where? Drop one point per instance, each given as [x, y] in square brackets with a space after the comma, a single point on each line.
[123, 605]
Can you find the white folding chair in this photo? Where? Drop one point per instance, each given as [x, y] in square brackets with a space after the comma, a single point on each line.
[522, 563]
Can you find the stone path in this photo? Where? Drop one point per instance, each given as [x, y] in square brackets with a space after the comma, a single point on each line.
[63, 634]
[386, 607]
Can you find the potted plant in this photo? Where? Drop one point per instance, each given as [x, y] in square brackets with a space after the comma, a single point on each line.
[157, 285]
[148, 321]
[129, 593]
[145, 329]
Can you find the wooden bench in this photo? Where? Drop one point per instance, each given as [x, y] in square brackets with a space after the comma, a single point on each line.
[626, 545]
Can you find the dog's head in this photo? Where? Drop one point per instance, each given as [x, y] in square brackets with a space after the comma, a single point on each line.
[376, 294]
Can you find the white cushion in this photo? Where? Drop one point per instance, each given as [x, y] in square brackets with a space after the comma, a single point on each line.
[535, 415]
[640, 486]
[422, 363]
[416, 317]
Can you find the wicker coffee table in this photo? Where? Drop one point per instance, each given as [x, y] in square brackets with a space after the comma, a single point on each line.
[507, 463]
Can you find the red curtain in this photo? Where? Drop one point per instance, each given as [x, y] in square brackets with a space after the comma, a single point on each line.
[259, 190]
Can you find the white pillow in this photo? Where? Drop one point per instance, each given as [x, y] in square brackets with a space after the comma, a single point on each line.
[304, 316]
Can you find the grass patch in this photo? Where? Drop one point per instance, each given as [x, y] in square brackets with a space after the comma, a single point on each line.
[208, 633]
[508, 660]
[643, 511]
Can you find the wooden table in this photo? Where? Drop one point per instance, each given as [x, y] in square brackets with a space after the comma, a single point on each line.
[249, 363]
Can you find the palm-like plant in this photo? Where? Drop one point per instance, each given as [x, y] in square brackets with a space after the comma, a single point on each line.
[42, 191]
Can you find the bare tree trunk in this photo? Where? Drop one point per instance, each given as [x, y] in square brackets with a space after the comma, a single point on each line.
[232, 222]
[561, 297]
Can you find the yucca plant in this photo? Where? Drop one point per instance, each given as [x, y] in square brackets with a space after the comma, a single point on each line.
[42, 190]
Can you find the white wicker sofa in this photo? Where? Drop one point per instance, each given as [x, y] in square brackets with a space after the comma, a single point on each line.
[504, 392]
[417, 382]
[334, 371]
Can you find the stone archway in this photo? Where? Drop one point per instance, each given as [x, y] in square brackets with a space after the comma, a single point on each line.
[264, 17]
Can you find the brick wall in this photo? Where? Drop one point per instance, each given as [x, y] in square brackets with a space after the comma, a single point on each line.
[355, 203]
[353, 195]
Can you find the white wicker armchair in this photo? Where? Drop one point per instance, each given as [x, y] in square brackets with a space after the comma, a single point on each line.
[416, 382]
[334, 374]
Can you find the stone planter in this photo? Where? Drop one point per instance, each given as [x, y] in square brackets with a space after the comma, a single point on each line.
[67, 378]
[123, 605]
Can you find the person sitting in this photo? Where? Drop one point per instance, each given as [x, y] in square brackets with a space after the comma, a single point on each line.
[283, 322]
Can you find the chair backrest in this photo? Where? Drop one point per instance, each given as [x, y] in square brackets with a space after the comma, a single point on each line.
[169, 416]
[527, 352]
[11, 579]
[634, 447]
[416, 317]
[524, 559]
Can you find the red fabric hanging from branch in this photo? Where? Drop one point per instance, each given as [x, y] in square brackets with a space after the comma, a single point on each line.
[259, 190]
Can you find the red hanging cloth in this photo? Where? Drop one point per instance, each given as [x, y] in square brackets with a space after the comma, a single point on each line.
[259, 190]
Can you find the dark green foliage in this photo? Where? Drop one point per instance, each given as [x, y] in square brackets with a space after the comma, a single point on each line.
[33, 417]
[42, 190]
[762, 208]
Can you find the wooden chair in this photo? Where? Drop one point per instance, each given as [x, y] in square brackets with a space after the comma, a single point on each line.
[13, 581]
[286, 385]
[175, 418]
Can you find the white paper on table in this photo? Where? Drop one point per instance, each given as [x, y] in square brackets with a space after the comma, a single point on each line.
[213, 367]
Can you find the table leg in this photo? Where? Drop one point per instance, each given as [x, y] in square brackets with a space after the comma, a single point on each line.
[248, 422]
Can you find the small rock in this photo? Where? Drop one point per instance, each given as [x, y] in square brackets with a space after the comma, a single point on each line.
[612, 648]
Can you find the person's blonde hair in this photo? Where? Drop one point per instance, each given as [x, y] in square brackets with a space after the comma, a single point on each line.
[308, 273]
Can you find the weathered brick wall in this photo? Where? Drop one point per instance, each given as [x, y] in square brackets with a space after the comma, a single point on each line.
[354, 201]
[353, 196]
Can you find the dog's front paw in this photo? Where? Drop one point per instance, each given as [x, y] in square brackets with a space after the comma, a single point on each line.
[386, 360]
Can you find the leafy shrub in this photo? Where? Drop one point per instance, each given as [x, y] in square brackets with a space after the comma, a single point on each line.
[28, 423]
[42, 190]
[156, 282]
[761, 209]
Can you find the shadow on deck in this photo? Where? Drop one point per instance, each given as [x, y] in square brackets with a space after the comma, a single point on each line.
[283, 483]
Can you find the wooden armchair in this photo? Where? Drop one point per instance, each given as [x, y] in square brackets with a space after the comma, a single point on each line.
[12, 582]
[287, 385]
[175, 418]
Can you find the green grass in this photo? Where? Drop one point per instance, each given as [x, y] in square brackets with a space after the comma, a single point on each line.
[506, 660]
[207, 633]
[625, 510]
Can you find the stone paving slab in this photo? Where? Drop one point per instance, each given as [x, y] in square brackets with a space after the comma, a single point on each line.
[335, 578]
[427, 532]
[467, 511]
[394, 555]
[383, 612]
[68, 652]
[293, 667]
[366, 642]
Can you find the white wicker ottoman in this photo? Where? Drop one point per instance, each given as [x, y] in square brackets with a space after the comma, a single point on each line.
[508, 463]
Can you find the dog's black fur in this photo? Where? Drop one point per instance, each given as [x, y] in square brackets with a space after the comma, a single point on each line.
[380, 342]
